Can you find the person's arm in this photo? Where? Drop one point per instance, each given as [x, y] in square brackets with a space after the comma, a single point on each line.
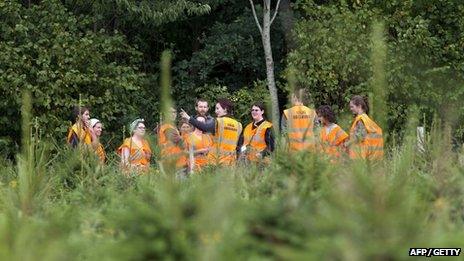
[174, 137]
[125, 156]
[74, 141]
[239, 144]
[269, 139]
[360, 134]
[283, 124]
[209, 126]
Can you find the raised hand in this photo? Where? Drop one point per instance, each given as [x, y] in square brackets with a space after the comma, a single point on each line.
[184, 115]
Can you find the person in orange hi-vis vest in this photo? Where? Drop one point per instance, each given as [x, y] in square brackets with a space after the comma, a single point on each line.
[199, 144]
[171, 144]
[298, 122]
[366, 138]
[135, 151]
[257, 142]
[331, 136]
[225, 130]
[97, 128]
[80, 132]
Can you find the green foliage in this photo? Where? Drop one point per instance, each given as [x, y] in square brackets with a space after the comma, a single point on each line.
[231, 57]
[423, 66]
[49, 52]
[302, 207]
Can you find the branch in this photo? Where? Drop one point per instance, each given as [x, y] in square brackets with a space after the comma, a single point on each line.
[275, 12]
[256, 17]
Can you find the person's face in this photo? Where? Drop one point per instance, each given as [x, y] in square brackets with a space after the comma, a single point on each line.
[355, 109]
[256, 113]
[322, 120]
[97, 129]
[86, 116]
[202, 108]
[173, 114]
[219, 110]
[140, 130]
[185, 128]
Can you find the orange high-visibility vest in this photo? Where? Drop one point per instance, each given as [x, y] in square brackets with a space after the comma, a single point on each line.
[254, 139]
[300, 127]
[226, 138]
[372, 145]
[82, 134]
[169, 150]
[137, 155]
[197, 143]
[100, 151]
[331, 143]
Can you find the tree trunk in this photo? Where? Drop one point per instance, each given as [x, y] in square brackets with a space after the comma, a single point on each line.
[266, 38]
[287, 19]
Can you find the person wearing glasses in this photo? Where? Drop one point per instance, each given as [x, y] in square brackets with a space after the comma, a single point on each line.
[257, 140]
[171, 144]
[225, 130]
[135, 151]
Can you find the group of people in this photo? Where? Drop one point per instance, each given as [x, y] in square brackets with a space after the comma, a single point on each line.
[202, 140]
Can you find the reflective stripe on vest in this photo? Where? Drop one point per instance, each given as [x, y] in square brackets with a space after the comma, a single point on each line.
[255, 139]
[225, 140]
[372, 145]
[300, 127]
[331, 142]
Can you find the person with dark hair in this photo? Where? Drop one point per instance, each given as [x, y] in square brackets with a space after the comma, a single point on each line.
[298, 123]
[171, 144]
[332, 136]
[225, 131]
[256, 141]
[80, 132]
[366, 138]
[97, 128]
[202, 108]
[135, 151]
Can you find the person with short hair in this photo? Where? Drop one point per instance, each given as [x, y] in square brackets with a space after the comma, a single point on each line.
[331, 136]
[202, 108]
[226, 132]
[366, 138]
[256, 141]
[135, 151]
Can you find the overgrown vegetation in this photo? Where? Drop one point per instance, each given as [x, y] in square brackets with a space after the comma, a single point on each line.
[67, 206]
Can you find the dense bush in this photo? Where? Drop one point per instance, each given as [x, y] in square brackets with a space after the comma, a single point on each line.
[50, 52]
[424, 64]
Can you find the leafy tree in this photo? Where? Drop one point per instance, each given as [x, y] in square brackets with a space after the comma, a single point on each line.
[47, 50]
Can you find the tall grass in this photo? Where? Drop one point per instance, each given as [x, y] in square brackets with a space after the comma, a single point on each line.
[301, 207]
